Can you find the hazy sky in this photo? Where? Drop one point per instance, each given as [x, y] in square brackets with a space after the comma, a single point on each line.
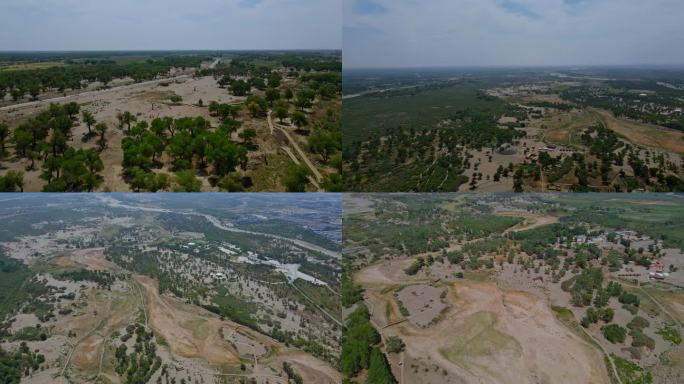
[414, 33]
[170, 24]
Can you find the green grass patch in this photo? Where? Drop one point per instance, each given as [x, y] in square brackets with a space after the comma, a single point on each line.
[479, 338]
[671, 334]
[631, 373]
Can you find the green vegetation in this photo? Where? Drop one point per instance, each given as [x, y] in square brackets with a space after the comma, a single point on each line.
[614, 333]
[103, 279]
[44, 138]
[190, 144]
[296, 178]
[594, 315]
[584, 285]
[138, 366]
[671, 334]
[12, 181]
[379, 371]
[15, 365]
[17, 286]
[36, 333]
[70, 76]
[351, 293]
[293, 376]
[394, 344]
[357, 341]
[419, 130]
[631, 373]
[233, 308]
[415, 267]
[639, 339]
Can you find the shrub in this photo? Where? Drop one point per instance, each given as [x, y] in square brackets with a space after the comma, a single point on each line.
[394, 344]
[614, 333]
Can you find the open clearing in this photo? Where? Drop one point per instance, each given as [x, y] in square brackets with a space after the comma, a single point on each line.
[490, 336]
[189, 332]
[644, 134]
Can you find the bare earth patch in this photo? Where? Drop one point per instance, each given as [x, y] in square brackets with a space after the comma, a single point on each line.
[646, 134]
[423, 303]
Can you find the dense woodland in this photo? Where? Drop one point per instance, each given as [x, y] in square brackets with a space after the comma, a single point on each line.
[74, 74]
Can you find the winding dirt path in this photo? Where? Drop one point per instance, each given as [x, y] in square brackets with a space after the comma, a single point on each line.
[316, 174]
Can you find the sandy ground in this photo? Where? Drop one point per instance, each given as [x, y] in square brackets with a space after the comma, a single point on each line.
[175, 321]
[423, 303]
[651, 136]
[146, 101]
[530, 221]
[491, 336]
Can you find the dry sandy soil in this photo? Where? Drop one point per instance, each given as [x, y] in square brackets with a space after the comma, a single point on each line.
[188, 331]
[423, 303]
[647, 135]
[197, 342]
[490, 335]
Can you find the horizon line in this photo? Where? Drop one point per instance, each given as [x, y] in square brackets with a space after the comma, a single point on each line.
[165, 50]
[519, 66]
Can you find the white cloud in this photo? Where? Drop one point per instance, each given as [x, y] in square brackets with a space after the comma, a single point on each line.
[169, 24]
[485, 32]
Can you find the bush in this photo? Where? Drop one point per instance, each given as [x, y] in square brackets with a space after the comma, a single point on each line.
[394, 345]
[670, 334]
[614, 289]
[415, 267]
[607, 315]
[629, 298]
[638, 322]
[639, 339]
[614, 333]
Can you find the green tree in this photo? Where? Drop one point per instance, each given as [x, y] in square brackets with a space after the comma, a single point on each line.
[281, 113]
[12, 181]
[299, 119]
[614, 333]
[101, 130]
[254, 108]
[4, 134]
[296, 178]
[379, 371]
[333, 183]
[72, 109]
[272, 95]
[247, 135]
[187, 182]
[128, 118]
[239, 87]
[231, 183]
[225, 154]
[89, 120]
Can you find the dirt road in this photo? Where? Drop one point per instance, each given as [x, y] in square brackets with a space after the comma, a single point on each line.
[88, 94]
[316, 174]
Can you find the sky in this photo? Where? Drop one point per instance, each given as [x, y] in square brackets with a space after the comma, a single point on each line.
[57, 25]
[443, 33]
